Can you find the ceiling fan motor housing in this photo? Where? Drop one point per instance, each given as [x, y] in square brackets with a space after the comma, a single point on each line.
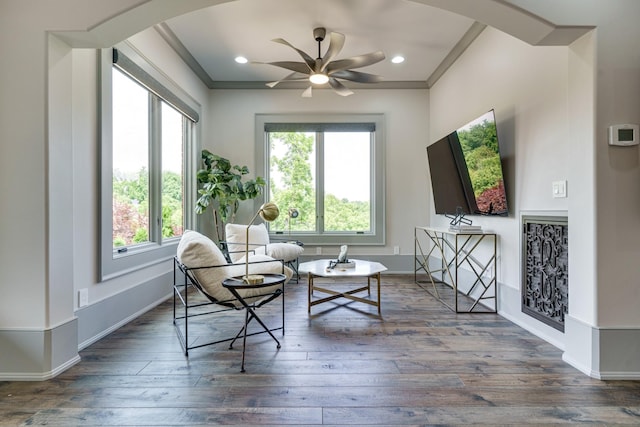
[319, 34]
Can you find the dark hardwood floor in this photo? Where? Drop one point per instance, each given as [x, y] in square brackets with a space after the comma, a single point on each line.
[420, 364]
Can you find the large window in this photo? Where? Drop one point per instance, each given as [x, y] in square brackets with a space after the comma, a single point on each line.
[329, 169]
[130, 209]
[147, 140]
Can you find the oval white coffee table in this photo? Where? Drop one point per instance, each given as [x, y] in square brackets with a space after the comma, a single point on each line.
[320, 268]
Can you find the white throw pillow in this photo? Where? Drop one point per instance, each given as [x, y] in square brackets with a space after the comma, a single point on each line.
[285, 251]
[236, 236]
[197, 250]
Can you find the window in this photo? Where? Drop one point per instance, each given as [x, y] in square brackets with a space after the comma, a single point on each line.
[147, 140]
[130, 205]
[330, 169]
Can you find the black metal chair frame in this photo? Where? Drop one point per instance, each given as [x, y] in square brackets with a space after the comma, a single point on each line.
[181, 293]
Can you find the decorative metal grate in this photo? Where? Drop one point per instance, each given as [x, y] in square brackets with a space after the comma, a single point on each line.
[545, 290]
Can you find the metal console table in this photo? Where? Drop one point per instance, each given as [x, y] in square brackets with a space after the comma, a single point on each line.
[462, 254]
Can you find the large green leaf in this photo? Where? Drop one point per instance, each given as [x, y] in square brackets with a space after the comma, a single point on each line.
[223, 182]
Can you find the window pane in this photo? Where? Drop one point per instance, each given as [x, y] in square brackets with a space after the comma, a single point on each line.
[292, 179]
[130, 161]
[347, 181]
[172, 188]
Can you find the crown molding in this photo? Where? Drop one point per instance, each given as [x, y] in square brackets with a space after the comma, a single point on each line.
[174, 42]
[303, 85]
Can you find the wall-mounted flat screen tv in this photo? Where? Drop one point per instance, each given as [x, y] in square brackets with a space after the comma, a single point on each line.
[466, 170]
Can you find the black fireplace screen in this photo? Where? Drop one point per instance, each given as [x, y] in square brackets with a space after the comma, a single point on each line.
[545, 269]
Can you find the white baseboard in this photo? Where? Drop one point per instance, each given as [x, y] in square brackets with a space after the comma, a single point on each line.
[98, 320]
[95, 338]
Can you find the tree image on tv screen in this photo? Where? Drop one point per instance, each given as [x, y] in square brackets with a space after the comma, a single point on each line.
[479, 143]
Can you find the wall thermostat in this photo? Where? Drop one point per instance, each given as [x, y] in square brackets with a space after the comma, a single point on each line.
[623, 135]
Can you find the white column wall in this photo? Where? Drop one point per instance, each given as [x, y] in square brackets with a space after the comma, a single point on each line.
[232, 135]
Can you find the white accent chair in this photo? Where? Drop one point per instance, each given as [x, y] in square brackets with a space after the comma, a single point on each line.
[200, 266]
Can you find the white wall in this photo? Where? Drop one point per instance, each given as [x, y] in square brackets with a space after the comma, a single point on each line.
[553, 106]
[615, 325]
[527, 87]
[23, 211]
[617, 169]
[233, 118]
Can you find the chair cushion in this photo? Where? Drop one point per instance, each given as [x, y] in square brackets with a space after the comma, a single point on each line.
[285, 251]
[236, 235]
[258, 264]
[197, 250]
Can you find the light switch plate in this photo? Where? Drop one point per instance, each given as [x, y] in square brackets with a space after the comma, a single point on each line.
[83, 297]
[559, 189]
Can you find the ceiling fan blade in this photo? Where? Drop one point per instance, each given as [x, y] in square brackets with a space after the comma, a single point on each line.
[357, 76]
[356, 61]
[339, 88]
[298, 67]
[307, 59]
[336, 42]
[307, 92]
[290, 77]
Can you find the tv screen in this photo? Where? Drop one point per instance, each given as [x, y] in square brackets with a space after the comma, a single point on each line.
[468, 176]
[448, 192]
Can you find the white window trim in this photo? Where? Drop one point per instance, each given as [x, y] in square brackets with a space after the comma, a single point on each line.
[112, 263]
[377, 236]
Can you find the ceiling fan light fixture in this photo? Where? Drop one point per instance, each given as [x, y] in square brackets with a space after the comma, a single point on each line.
[318, 78]
[324, 70]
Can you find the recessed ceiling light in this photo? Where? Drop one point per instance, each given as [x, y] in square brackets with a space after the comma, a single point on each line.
[241, 60]
[397, 59]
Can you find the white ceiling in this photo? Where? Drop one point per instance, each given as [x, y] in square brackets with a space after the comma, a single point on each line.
[214, 36]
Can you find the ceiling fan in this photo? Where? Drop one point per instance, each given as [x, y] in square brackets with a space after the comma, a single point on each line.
[324, 70]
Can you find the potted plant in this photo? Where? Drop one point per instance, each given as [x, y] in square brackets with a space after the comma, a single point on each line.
[222, 182]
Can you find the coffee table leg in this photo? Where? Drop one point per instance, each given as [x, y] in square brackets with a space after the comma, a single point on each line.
[378, 277]
[310, 290]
